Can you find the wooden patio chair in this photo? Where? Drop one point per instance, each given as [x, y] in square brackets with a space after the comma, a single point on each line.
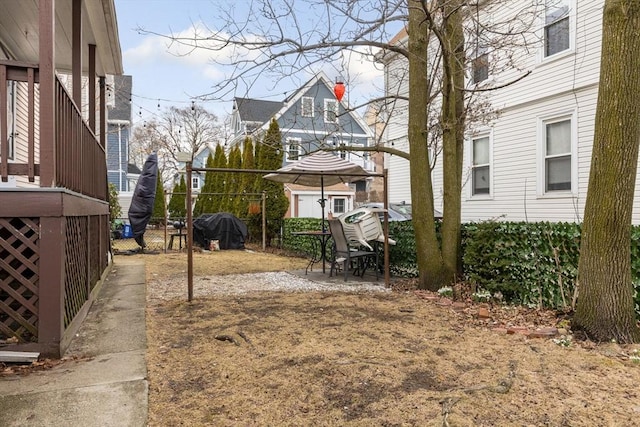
[343, 253]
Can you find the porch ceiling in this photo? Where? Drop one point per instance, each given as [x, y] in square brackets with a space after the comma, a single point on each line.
[19, 33]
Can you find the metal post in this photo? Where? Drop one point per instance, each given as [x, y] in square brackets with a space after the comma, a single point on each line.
[166, 220]
[387, 277]
[264, 220]
[189, 226]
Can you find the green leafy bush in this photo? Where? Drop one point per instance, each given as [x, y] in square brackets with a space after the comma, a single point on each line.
[115, 211]
[533, 264]
[529, 263]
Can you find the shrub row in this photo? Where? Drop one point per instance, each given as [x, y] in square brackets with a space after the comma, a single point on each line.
[527, 263]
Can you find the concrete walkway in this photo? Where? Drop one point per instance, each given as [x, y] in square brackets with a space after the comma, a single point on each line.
[108, 389]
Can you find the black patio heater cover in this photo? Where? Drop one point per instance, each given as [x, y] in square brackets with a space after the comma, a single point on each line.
[143, 199]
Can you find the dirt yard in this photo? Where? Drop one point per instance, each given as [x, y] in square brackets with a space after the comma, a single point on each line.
[301, 357]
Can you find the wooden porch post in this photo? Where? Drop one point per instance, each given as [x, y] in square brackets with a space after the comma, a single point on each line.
[92, 87]
[76, 54]
[46, 43]
[103, 112]
[51, 286]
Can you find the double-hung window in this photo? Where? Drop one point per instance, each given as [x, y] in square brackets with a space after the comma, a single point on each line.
[307, 106]
[557, 26]
[481, 166]
[343, 152]
[480, 65]
[195, 182]
[339, 205]
[292, 149]
[330, 111]
[557, 154]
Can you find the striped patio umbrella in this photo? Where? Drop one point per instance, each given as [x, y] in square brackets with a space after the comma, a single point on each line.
[317, 170]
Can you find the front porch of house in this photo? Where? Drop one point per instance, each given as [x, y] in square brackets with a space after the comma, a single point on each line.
[54, 211]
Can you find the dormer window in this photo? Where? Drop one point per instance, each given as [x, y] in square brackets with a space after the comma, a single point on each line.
[307, 106]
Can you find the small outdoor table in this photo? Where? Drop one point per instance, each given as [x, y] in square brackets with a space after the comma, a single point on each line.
[180, 235]
[318, 238]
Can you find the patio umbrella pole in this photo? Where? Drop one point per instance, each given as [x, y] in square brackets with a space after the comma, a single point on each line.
[322, 201]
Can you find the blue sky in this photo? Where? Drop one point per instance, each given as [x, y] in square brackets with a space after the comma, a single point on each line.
[160, 77]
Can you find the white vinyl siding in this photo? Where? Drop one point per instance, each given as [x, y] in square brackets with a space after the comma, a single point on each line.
[559, 86]
[306, 106]
[21, 132]
[11, 117]
[330, 111]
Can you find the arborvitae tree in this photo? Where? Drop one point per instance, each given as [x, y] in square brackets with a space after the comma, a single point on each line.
[158, 216]
[247, 180]
[233, 181]
[205, 202]
[270, 158]
[218, 182]
[177, 203]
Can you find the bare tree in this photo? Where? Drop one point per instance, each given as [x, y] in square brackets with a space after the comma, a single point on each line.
[187, 129]
[273, 40]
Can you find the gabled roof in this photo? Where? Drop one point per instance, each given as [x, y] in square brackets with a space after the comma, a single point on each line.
[256, 110]
[319, 77]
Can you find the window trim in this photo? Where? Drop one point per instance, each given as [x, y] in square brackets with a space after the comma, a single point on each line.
[303, 111]
[195, 179]
[475, 137]
[543, 121]
[327, 110]
[543, 57]
[290, 142]
[334, 211]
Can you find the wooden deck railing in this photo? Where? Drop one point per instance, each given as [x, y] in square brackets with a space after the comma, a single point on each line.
[80, 162]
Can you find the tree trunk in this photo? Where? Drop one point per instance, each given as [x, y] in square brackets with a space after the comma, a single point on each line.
[429, 257]
[605, 308]
[453, 126]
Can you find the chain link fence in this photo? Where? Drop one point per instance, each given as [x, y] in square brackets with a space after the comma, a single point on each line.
[159, 236]
[168, 236]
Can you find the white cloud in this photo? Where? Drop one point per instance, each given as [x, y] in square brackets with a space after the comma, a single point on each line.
[191, 47]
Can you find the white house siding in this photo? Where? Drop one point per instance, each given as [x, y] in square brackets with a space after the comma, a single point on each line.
[516, 195]
[22, 129]
[395, 132]
[566, 83]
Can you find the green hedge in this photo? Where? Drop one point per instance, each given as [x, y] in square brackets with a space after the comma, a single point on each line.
[528, 263]
[300, 244]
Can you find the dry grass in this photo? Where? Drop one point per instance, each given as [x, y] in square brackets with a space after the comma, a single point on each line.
[340, 359]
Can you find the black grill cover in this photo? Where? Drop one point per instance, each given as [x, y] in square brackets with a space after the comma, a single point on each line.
[224, 227]
[143, 198]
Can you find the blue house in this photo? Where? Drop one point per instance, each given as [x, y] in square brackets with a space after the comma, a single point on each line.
[310, 119]
[118, 131]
